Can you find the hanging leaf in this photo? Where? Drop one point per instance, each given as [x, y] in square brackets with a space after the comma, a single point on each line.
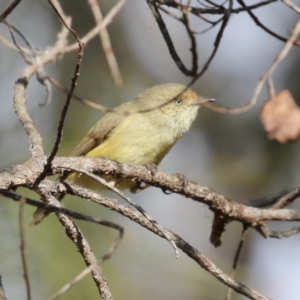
[280, 117]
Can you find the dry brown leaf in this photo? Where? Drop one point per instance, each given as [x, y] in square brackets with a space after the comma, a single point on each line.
[280, 117]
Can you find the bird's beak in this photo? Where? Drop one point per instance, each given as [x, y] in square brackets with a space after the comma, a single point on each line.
[201, 101]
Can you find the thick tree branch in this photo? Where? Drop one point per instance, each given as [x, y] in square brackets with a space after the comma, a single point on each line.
[21, 175]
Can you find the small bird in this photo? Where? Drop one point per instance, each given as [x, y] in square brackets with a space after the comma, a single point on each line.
[141, 131]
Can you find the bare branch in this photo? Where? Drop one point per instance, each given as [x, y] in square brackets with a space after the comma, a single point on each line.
[9, 10]
[68, 100]
[216, 43]
[215, 10]
[19, 101]
[173, 183]
[292, 6]
[218, 203]
[164, 31]
[60, 209]
[194, 50]
[128, 200]
[267, 233]
[2, 293]
[106, 43]
[270, 200]
[286, 199]
[22, 248]
[281, 55]
[87, 270]
[96, 30]
[82, 100]
[193, 253]
[82, 246]
[258, 23]
[236, 259]
[137, 217]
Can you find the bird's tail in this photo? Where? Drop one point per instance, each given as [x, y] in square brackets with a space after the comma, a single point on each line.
[40, 214]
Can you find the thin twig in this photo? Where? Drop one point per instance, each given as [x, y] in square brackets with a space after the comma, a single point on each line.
[86, 271]
[217, 202]
[269, 200]
[68, 100]
[280, 56]
[44, 80]
[60, 209]
[82, 245]
[137, 217]
[25, 54]
[23, 247]
[266, 232]
[217, 10]
[236, 259]
[291, 5]
[28, 55]
[192, 252]
[165, 33]
[106, 43]
[171, 14]
[82, 100]
[95, 31]
[286, 199]
[19, 101]
[9, 10]
[265, 28]
[11, 45]
[2, 293]
[271, 88]
[217, 42]
[136, 206]
[282, 202]
[194, 50]
[73, 282]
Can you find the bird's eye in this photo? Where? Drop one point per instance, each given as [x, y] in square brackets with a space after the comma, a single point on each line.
[178, 101]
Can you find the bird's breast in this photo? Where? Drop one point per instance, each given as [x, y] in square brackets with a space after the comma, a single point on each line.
[136, 140]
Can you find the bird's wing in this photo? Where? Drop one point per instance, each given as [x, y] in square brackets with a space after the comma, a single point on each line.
[101, 130]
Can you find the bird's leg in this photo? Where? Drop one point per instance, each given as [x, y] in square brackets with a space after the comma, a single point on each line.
[183, 182]
[141, 185]
[152, 168]
[182, 179]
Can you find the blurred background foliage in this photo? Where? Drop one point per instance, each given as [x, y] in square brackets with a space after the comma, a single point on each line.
[228, 153]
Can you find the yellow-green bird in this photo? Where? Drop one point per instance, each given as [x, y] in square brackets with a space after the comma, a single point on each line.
[141, 131]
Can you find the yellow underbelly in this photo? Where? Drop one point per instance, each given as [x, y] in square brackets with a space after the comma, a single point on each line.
[130, 145]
